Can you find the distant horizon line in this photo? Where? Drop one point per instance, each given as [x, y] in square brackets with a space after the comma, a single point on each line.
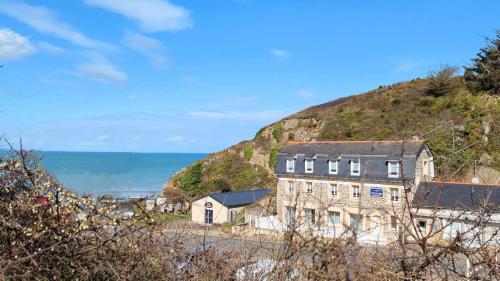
[131, 152]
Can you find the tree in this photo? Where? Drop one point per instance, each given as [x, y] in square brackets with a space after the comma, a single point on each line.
[441, 81]
[484, 74]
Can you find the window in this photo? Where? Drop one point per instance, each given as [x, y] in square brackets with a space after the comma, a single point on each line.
[394, 194]
[393, 169]
[209, 216]
[334, 218]
[310, 216]
[422, 225]
[394, 222]
[333, 189]
[333, 167]
[355, 191]
[290, 165]
[309, 187]
[426, 168]
[232, 215]
[290, 186]
[290, 214]
[309, 165]
[355, 167]
[356, 222]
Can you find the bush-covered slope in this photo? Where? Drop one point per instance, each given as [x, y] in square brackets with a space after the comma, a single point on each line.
[462, 128]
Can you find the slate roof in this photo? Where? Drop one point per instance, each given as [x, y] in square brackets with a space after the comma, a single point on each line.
[373, 156]
[448, 195]
[239, 198]
[336, 149]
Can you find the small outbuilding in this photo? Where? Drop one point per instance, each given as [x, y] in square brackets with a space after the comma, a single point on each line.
[224, 207]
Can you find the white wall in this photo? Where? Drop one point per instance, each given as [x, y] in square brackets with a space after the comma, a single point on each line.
[221, 213]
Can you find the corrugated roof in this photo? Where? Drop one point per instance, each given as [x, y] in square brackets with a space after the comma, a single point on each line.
[452, 195]
[239, 198]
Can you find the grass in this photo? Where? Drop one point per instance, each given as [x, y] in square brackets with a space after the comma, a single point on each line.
[401, 110]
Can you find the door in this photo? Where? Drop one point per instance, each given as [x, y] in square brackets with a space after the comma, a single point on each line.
[232, 215]
[209, 216]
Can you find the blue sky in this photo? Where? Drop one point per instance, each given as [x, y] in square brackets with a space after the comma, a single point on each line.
[197, 76]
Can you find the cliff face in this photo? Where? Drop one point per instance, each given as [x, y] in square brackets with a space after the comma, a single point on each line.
[461, 128]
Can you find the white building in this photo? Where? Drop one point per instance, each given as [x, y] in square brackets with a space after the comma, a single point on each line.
[223, 207]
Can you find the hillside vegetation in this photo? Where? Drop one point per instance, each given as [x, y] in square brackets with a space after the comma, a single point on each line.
[459, 120]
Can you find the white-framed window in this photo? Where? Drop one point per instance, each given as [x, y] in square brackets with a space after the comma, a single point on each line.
[309, 166]
[309, 187]
[290, 165]
[310, 216]
[393, 169]
[355, 167]
[290, 186]
[333, 167]
[290, 214]
[355, 191]
[333, 218]
[394, 194]
[333, 189]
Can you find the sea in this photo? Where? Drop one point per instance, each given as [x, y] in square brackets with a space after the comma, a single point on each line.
[118, 174]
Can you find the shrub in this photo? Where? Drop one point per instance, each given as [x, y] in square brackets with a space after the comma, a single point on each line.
[277, 131]
[273, 157]
[191, 179]
[248, 151]
[441, 82]
[396, 102]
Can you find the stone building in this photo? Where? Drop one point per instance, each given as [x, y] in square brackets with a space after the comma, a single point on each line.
[361, 186]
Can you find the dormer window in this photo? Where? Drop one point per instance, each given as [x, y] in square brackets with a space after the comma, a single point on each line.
[309, 166]
[333, 167]
[355, 167]
[290, 165]
[393, 169]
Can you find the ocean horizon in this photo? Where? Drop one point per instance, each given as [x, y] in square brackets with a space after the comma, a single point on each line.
[119, 174]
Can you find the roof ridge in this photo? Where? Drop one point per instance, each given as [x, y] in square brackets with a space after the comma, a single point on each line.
[239, 191]
[354, 141]
[463, 183]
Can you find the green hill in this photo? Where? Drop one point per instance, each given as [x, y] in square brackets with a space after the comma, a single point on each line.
[462, 129]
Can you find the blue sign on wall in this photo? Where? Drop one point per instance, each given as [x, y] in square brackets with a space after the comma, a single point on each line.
[377, 192]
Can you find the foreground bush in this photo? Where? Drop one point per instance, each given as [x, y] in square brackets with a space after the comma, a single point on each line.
[49, 233]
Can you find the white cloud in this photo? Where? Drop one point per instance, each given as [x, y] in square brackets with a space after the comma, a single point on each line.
[14, 46]
[48, 81]
[239, 116]
[151, 48]
[151, 15]
[305, 94]
[280, 53]
[101, 70]
[174, 138]
[46, 21]
[48, 47]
